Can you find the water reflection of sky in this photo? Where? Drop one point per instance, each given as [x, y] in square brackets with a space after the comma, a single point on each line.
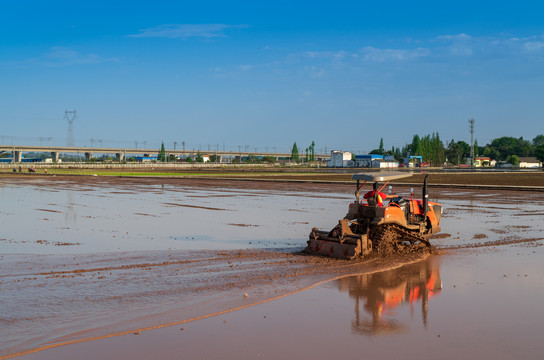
[157, 217]
[44, 216]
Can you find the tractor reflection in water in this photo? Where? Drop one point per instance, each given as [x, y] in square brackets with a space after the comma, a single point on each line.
[386, 291]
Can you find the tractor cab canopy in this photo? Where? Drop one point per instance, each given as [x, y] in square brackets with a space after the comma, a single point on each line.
[380, 176]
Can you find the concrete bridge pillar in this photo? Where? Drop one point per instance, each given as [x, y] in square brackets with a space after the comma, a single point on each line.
[88, 156]
[17, 156]
[55, 156]
[120, 157]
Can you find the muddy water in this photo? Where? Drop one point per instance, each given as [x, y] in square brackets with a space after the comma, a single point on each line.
[484, 291]
[453, 307]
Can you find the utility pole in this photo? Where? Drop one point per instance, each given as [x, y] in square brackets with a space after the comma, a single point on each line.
[471, 122]
[183, 145]
[175, 143]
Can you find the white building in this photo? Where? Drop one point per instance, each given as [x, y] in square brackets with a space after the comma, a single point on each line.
[385, 164]
[529, 163]
[339, 159]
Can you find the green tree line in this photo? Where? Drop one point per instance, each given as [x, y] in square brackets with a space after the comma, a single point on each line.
[433, 150]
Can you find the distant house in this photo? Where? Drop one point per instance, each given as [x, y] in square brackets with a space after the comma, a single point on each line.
[205, 158]
[366, 160]
[340, 159]
[383, 163]
[504, 165]
[145, 158]
[413, 160]
[529, 163]
[484, 161]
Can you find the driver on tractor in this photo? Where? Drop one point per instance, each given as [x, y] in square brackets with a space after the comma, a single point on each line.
[375, 197]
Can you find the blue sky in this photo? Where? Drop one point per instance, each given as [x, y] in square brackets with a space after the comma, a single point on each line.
[262, 75]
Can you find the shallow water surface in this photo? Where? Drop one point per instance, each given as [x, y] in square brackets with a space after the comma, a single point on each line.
[90, 257]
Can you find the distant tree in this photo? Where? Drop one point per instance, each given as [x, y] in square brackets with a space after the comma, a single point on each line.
[294, 153]
[189, 159]
[312, 151]
[269, 159]
[456, 151]
[513, 159]
[539, 152]
[538, 140]
[415, 148]
[507, 146]
[162, 153]
[491, 152]
[381, 148]
[199, 157]
[397, 154]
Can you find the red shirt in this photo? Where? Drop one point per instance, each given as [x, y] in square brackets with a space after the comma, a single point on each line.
[381, 196]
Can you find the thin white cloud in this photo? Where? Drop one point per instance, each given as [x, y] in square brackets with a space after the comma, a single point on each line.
[534, 45]
[461, 44]
[67, 56]
[374, 54]
[457, 37]
[335, 55]
[314, 71]
[173, 31]
[64, 56]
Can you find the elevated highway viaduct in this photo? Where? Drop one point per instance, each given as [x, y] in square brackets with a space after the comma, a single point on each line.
[121, 153]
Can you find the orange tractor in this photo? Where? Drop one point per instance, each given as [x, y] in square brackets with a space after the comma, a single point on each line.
[403, 225]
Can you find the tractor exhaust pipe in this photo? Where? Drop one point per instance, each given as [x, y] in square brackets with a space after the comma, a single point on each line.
[425, 197]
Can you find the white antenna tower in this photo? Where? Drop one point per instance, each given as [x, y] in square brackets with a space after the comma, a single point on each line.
[70, 117]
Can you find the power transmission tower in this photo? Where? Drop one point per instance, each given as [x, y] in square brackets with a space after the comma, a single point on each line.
[471, 122]
[70, 117]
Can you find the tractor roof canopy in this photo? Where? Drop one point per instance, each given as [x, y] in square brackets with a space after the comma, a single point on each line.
[380, 176]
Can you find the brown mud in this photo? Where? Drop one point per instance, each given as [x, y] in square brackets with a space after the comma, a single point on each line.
[206, 283]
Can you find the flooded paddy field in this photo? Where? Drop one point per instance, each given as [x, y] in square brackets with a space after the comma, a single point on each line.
[88, 257]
